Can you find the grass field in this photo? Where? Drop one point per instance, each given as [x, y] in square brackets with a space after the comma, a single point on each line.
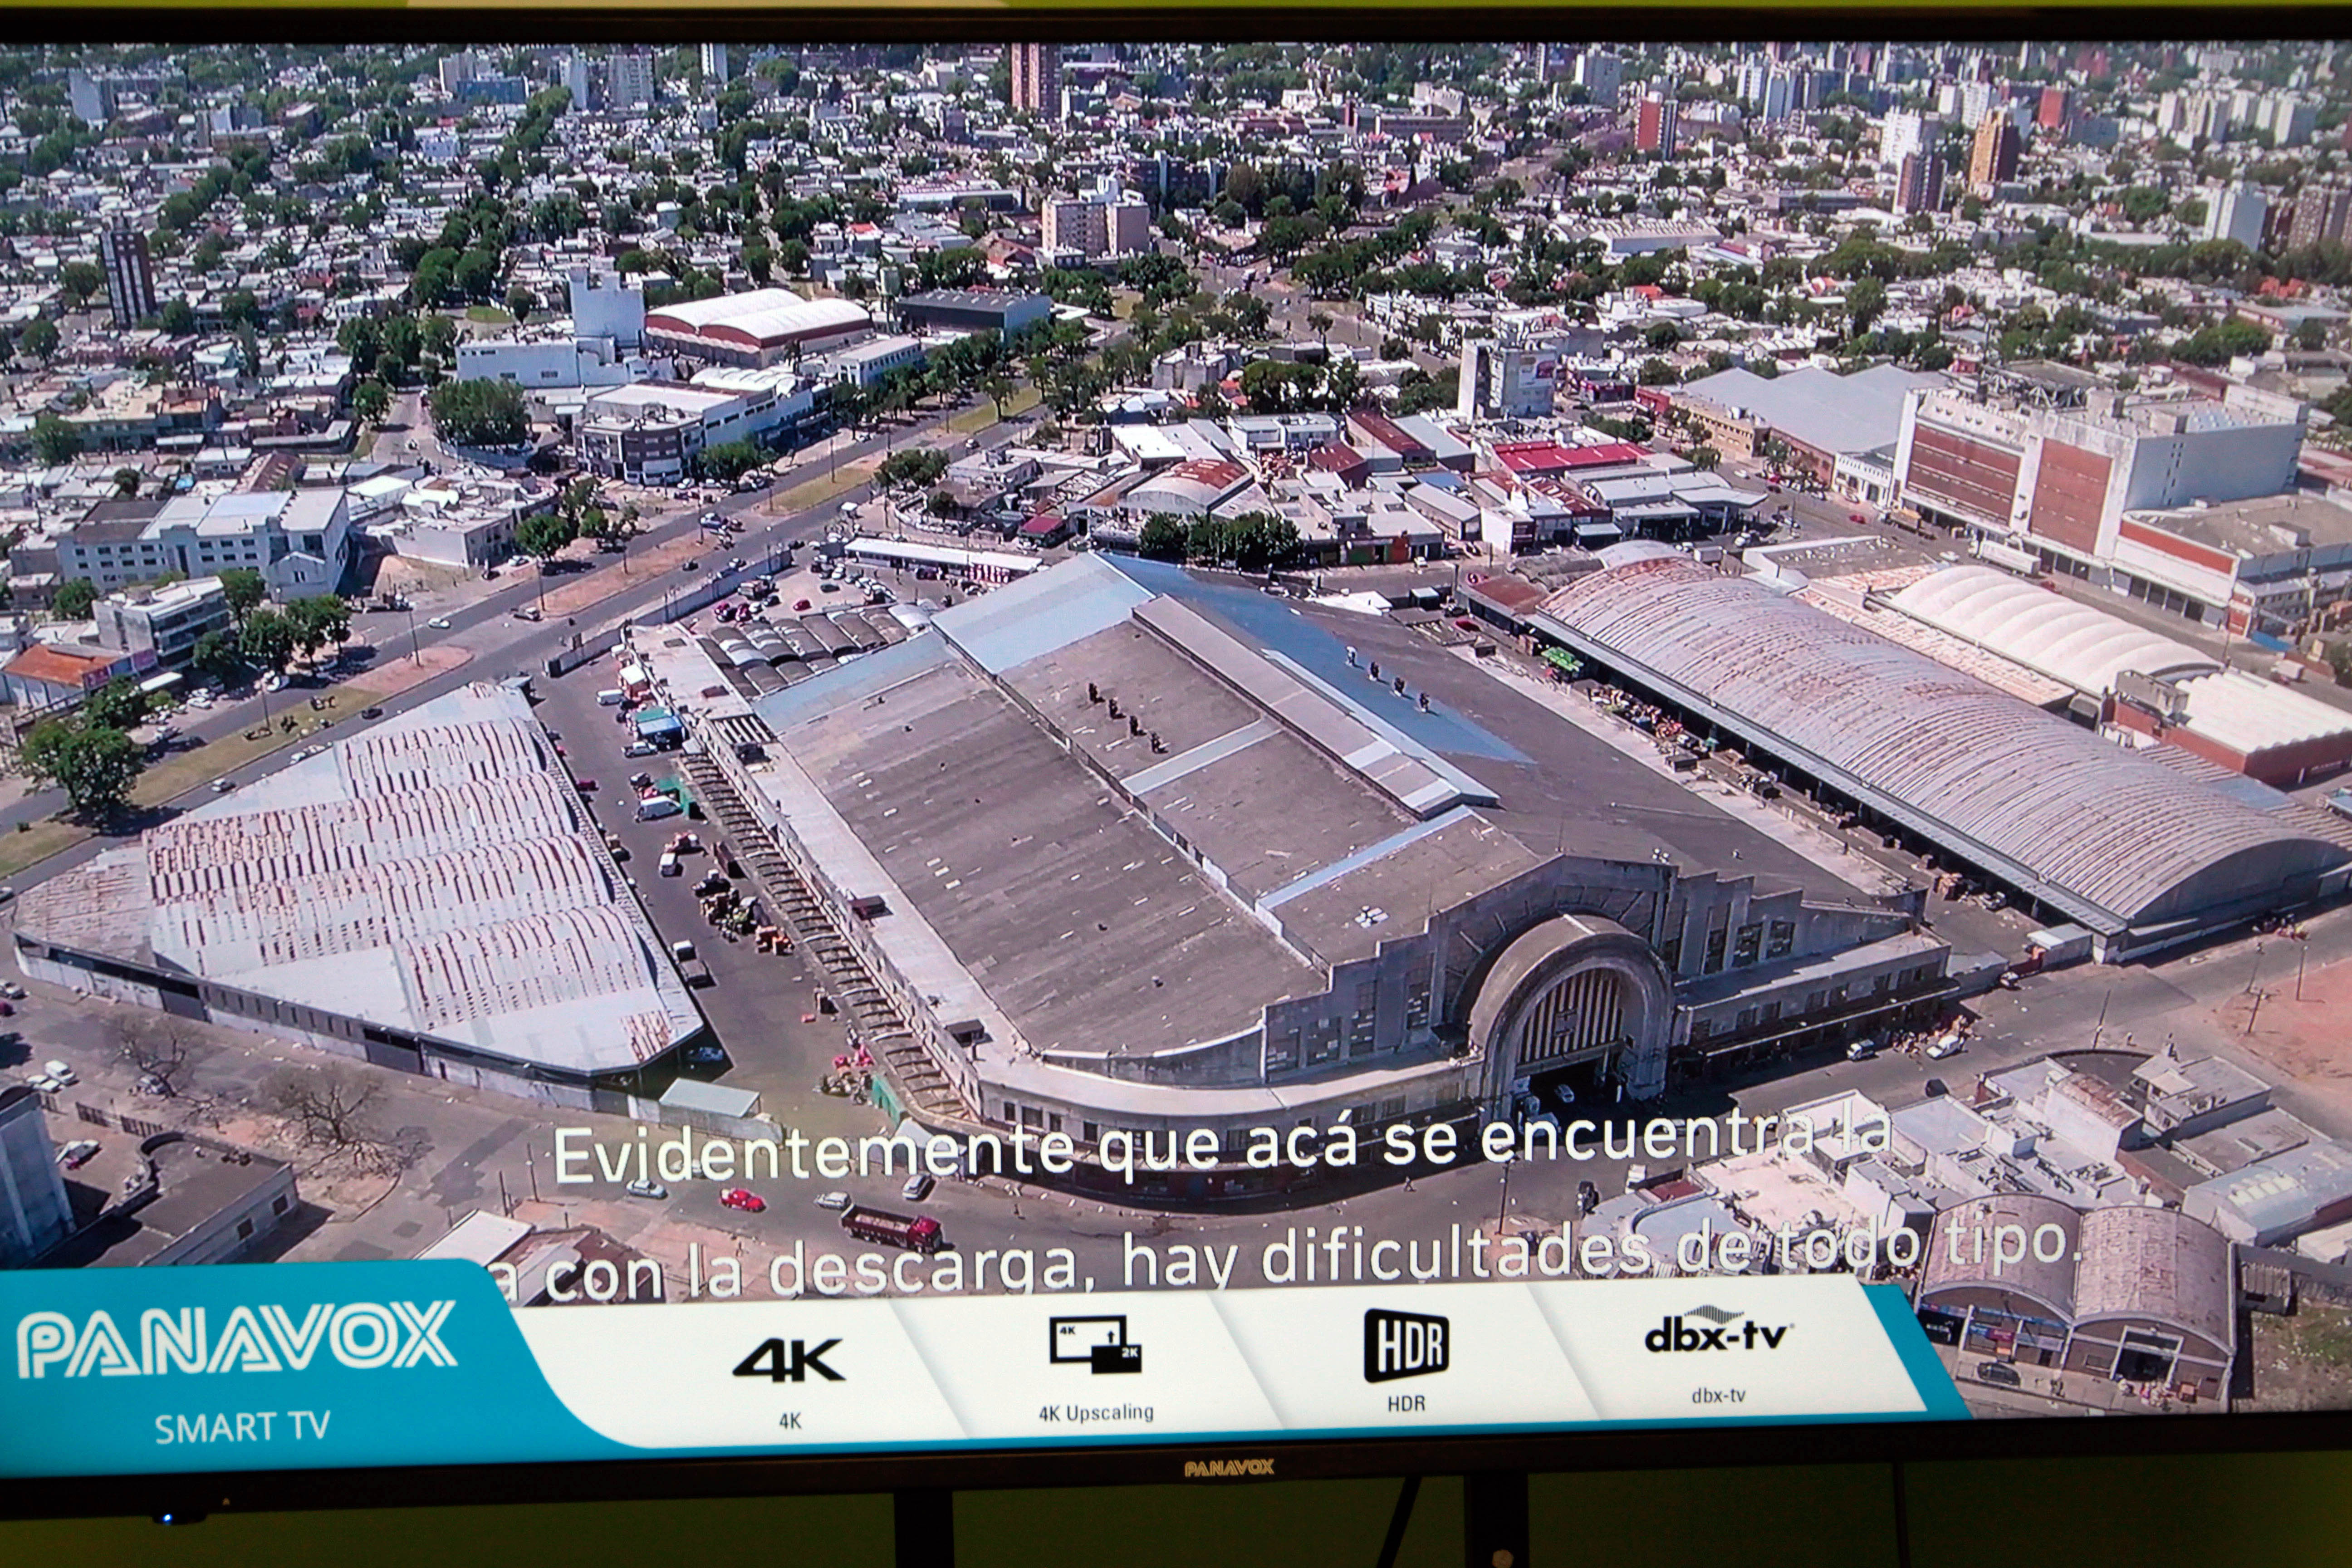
[982, 416]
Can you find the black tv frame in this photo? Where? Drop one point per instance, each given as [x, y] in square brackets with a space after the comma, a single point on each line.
[1496, 1460]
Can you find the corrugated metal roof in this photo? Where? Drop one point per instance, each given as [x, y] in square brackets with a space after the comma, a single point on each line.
[2079, 644]
[2113, 839]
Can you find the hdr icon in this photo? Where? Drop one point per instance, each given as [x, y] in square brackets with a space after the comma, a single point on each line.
[1405, 1344]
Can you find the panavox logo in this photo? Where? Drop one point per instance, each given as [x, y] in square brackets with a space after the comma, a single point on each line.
[363, 1335]
[1711, 1329]
[1220, 1469]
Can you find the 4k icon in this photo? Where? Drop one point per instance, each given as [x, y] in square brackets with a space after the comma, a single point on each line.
[779, 1364]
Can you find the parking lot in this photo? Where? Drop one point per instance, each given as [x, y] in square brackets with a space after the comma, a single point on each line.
[756, 1003]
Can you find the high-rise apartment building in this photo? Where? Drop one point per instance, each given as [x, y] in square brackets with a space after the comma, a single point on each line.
[129, 270]
[1993, 159]
[1036, 71]
[1656, 125]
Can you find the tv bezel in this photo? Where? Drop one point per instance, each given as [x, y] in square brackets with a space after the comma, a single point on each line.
[1124, 1463]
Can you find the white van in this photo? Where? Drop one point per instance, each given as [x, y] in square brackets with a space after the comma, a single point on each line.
[654, 807]
[669, 865]
[609, 699]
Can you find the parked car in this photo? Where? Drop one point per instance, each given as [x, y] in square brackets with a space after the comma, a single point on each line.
[745, 1199]
[1999, 1373]
[9, 988]
[221, 786]
[61, 1072]
[1861, 1050]
[833, 1203]
[639, 748]
[1948, 1045]
[585, 786]
[370, 712]
[646, 1190]
[528, 613]
[77, 1153]
[918, 1187]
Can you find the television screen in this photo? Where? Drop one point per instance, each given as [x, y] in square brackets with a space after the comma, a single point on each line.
[750, 762]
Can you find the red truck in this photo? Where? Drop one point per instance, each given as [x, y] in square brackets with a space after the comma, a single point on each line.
[922, 1235]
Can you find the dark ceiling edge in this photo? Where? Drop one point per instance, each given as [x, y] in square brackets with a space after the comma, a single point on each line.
[1213, 23]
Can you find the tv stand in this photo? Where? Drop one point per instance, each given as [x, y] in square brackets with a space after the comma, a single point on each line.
[923, 1527]
[1494, 1519]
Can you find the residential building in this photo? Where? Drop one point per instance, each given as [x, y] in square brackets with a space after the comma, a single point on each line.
[714, 65]
[129, 276]
[2239, 213]
[2321, 214]
[1655, 124]
[1993, 158]
[1036, 72]
[1602, 74]
[166, 622]
[1919, 183]
[629, 81]
[299, 539]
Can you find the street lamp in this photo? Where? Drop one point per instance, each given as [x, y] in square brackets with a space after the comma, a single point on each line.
[415, 652]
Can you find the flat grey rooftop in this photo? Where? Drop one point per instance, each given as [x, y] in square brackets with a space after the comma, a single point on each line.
[1090, 932]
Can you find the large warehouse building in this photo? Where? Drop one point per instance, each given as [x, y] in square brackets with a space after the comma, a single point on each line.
[431, 895]
[2134, 681]
[1131, 851]
[754, 330]
[2140, 853]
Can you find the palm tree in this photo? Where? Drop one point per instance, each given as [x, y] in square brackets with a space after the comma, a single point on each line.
[1320, 323]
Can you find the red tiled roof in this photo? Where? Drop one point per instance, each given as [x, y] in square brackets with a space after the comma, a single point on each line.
[55, 666]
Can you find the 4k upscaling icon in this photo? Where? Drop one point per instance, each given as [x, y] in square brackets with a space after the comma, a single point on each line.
[1404, 1344]
[1100, 1343]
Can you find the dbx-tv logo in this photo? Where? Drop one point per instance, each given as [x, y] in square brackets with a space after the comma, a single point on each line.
[362, 1335]
[1404, 1344]
[1679, 1334]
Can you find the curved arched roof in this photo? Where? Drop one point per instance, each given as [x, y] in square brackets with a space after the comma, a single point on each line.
[762, 318]
[2050, 1281]
[2155, 1263]
[2079, 644]
[2113, 839]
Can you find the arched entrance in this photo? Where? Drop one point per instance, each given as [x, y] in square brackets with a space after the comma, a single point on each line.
[1577, 992]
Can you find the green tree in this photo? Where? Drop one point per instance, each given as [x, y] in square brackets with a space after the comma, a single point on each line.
[216, 655]
[94, 764]
[243, 588]
[73, 599]
[731, 460]
[117, 705]
[38, 339]
[543, 536]
[267, 639]
[318, 621]
[1865, 302]
[1164, 538]
[126, 482]
[82, 281]
[480, 413]
[55, 442]
[371, 401]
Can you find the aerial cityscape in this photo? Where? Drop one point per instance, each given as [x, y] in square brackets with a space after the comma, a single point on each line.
[624, 663]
